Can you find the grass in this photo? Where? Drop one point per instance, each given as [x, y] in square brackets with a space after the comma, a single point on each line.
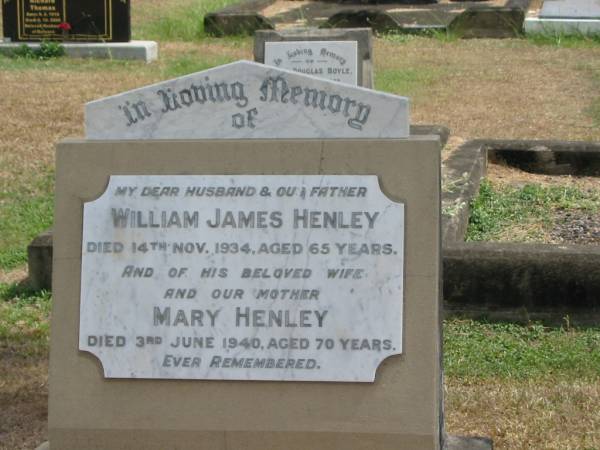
[474, 350]
[500, 209]
[184, 22]
[25, 211]
[187, 64]
[24, 319]
[562, 40]
[406, 81]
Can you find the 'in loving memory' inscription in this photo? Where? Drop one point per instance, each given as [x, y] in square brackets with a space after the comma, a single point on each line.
[242, 277]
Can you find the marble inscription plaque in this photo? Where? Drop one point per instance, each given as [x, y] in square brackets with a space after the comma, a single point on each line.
[332, 60]
[243, 277]
[247, 100]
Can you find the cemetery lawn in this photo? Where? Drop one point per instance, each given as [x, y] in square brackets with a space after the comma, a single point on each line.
[526, 387]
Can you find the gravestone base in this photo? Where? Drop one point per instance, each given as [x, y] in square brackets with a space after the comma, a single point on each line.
[133, 50]
[565, 17]
[538, 25]
[452, 443]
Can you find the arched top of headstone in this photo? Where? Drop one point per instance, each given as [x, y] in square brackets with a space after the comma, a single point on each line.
[247, 100]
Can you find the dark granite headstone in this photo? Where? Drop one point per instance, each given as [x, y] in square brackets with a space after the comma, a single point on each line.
[66, 20]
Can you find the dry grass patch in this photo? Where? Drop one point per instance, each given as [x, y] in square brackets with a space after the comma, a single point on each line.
[502, 89]
[24, 400]
[540, 414]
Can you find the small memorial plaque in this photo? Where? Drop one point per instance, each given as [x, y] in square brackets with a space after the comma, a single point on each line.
[67, 20]
[245, 277]
[333, 60]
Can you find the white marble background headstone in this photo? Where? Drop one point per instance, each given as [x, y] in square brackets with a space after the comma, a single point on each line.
[331, 60]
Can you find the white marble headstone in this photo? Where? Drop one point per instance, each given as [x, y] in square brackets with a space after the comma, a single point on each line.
[247, 100]
[584, 9]
[245, 277]
[332, 60]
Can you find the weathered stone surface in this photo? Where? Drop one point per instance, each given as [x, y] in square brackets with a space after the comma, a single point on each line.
[482, 18]
[133, 50]
[540, 281]
[401, 409]
[39, 259]
[362, 36]
[247, 100]
[240, 18]
[467, 443]
[580, 9]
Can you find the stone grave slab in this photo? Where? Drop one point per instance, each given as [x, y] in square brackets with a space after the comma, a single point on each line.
[565, 17]
[247, 100]
[66, 20]
[283, 49]
[479, 18]
[581, 9]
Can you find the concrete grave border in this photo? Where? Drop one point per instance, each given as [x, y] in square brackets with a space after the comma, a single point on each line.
[471, 19]
[516, 281]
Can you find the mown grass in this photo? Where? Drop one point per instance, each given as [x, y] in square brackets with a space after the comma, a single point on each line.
[26, 210]
[405, 81]
[563, 40]
[24, 319]
[486, 351]
[184, 22]
[501, 207]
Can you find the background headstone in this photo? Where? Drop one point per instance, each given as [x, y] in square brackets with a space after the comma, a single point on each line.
[362, 36]
[582, 9]
[332, 60]
[66, 20]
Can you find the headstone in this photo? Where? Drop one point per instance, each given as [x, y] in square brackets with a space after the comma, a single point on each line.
[247, 293]
[247, 100]
[582, 9]
[66, 20]
[340, 54]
